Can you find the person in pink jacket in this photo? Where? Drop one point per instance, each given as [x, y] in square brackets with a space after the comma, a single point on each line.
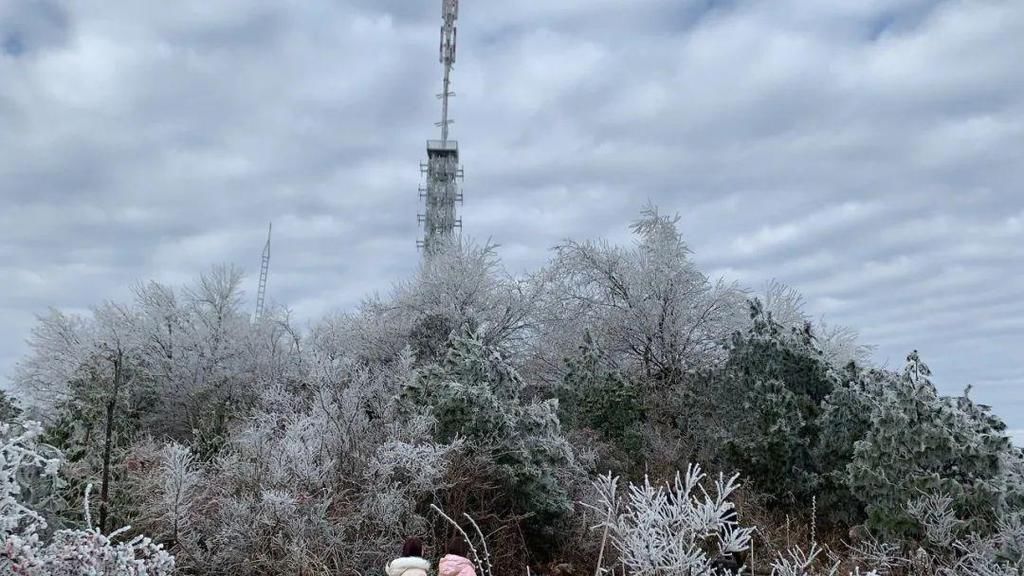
[455, 562]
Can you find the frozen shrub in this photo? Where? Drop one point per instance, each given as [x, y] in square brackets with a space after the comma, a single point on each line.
[68, 552]
[679, 528]
[796, 562]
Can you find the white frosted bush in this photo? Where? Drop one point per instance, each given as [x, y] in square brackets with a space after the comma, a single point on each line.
[69, 552]
[796, 562]
[673, 529]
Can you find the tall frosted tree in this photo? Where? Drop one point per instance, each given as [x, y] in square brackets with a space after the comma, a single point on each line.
[84, 371]
[651, 307]
[465, 284]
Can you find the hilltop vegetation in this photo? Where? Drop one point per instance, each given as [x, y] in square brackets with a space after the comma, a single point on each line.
[267, 448]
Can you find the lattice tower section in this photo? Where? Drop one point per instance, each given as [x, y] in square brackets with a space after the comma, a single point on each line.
[442, 172]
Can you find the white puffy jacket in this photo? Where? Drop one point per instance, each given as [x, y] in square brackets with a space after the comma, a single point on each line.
[408, 566]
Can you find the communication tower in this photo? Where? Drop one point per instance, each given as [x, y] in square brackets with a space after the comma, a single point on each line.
[443, 174]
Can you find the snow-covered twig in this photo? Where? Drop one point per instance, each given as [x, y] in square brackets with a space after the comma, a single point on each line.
[485, 569]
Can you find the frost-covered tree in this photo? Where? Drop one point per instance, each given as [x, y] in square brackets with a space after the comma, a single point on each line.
[466, 284]
[59, 347]
[649, 305]
[838, 344]
[169, 482]
[92, 400]
[171, 363]
[275, 481]
[463, 284]
[476, 395]
[845, 419]
[9, 409]
[947, 547]
[920, 443]
[786, 306]
[323, 476]
[262, 448]
[770, 393]
[23, 462]
[594, 396]
[93, 394]
[198, 349]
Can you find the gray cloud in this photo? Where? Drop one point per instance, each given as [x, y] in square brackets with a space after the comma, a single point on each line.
[866, 153]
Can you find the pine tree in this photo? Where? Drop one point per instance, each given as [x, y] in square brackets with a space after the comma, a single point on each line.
[596, 396]
[476, 395]
[772, 388]
[9, 409]
[920, 444]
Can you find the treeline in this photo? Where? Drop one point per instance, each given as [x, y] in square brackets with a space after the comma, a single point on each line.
[266, 448]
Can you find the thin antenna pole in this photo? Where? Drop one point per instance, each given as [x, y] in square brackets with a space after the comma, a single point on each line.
[261, 294]
[448, 39]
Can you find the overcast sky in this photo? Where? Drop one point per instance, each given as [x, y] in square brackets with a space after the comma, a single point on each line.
[868, 153]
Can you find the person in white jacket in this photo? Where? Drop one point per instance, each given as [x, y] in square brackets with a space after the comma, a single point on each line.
[411, 563]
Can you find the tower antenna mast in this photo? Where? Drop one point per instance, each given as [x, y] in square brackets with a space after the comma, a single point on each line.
[442, 170]
[449, 36]
[261, 293]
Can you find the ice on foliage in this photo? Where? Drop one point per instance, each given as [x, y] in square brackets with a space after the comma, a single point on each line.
[328, 473]
[476, 394]
[68, 552]
[948, 548]
[934, 512]
[920, 443]
[838, 344]
[417, 467]
[302, 459]
[650, 305]
[18, 455]
[673, 529]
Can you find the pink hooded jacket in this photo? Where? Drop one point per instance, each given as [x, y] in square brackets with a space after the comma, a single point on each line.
[452, 565]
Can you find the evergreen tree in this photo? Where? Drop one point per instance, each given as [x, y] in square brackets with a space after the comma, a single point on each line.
[921, 444]
[476, 395]
[596, 397]
[9, 409]
[774, 383]
[845, 419]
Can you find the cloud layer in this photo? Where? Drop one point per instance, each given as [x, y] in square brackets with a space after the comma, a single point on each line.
[866, 153]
